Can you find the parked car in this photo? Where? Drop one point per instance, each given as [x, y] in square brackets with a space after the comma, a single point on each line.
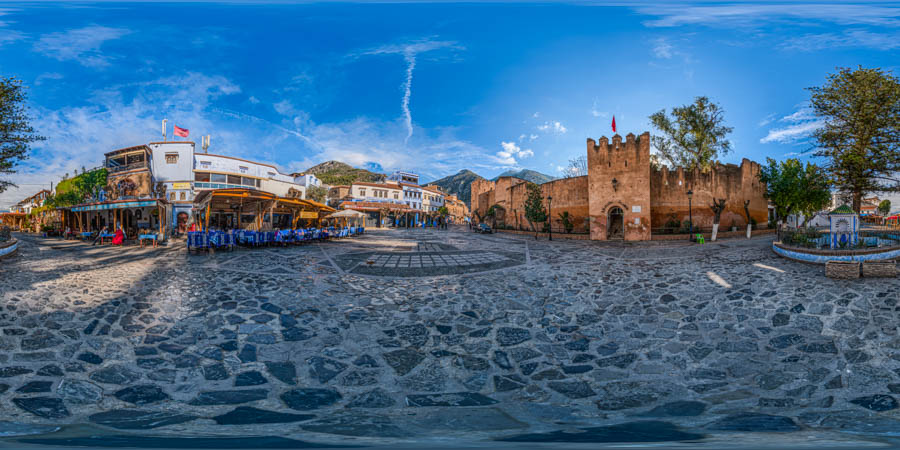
[484, 228]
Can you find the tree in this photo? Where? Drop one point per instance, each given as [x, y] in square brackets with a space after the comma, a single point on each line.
[534, 207]
[316, 193]
[443, 211]
[694, 136]
[16, 135]
[577, 167]
[717, 207]
[884, 207]
[860, 136]
[495, 210]
[794, 188]
[566, 220]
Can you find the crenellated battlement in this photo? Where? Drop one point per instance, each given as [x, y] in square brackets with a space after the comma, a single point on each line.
[635, 150]
[622, 196]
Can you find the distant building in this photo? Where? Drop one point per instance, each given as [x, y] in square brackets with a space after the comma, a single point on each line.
[402, 176]
[456, 208]
[338, 194]
[306, 179]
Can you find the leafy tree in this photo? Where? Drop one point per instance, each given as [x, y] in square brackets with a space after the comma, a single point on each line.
[316, 193]
[566, 220]
[16, 135]
[794, 188]
[884, 207]
[534, 207]
[443, 211]
[860, 138]
[693, 137]
[717, 207]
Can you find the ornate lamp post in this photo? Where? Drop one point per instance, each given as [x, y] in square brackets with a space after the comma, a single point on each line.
[690, 194]
[549, 216]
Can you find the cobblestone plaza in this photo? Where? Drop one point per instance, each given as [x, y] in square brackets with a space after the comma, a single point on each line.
[410, 334]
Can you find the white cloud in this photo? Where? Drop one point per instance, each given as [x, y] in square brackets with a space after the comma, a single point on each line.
[767, 120]
[511, 153]
[47, 76]
[536, 115]
[78, 136]
[410, 51]
[253, 100]
[847, 39]
[82, 45]
[751, 14]
[662, 49]
[552, 127]
[285, 108]
[801, 124]
[597, 113]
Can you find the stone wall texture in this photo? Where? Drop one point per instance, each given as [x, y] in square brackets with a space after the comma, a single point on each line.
[622, 197]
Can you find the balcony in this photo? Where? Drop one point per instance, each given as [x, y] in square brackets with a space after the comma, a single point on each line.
[125, 168]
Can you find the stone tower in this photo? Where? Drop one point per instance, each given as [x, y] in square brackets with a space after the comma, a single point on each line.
[619, 187]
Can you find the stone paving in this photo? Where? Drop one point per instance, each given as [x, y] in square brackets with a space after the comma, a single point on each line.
[404, 334]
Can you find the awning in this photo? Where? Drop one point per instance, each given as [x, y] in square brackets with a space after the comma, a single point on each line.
[121, 204]
[321, 206]
[346, 214]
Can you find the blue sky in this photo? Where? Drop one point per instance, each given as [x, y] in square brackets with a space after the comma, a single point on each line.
[430, 87]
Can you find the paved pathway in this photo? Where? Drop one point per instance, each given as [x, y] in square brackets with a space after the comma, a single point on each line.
[406, 334]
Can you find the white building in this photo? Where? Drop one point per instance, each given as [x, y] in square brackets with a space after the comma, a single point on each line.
[184, 173]
[306, 179]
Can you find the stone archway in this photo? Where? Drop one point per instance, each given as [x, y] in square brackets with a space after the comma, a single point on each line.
[615, 223]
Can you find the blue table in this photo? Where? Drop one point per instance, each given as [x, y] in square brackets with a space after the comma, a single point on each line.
[152, 237]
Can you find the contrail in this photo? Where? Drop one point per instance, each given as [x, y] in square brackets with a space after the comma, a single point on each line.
[410, 57]
[409, 52]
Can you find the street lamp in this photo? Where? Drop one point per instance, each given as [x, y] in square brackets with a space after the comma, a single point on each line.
[690, 194]
[550, 216]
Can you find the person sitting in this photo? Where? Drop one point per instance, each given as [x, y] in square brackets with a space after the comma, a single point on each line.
[99, 238]
[119, 238]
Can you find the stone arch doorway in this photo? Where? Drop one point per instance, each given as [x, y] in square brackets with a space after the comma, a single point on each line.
[615, 223]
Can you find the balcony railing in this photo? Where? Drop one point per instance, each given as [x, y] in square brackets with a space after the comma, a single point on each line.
[127, 167]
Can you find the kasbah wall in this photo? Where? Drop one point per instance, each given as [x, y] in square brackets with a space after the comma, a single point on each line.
[622, 197]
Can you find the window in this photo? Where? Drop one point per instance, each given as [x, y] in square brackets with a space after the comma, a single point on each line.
[248, 181]
[234, 179]
[396, 196]
[201, 176]
[135, 158]
[115, 162]
[218, 178]
[271, 174]
[182, 196]
[171, 158]
[172, 196]
[362, 192]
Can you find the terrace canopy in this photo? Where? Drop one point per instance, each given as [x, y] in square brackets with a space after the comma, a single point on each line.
[241, 208]
[132, 215]
[14, 220]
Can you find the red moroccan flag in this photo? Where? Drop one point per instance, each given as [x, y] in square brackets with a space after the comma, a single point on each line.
[183, 132]
[613, 125]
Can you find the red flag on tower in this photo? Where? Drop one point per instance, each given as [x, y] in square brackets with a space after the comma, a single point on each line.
[181, 132]
[613, 124]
